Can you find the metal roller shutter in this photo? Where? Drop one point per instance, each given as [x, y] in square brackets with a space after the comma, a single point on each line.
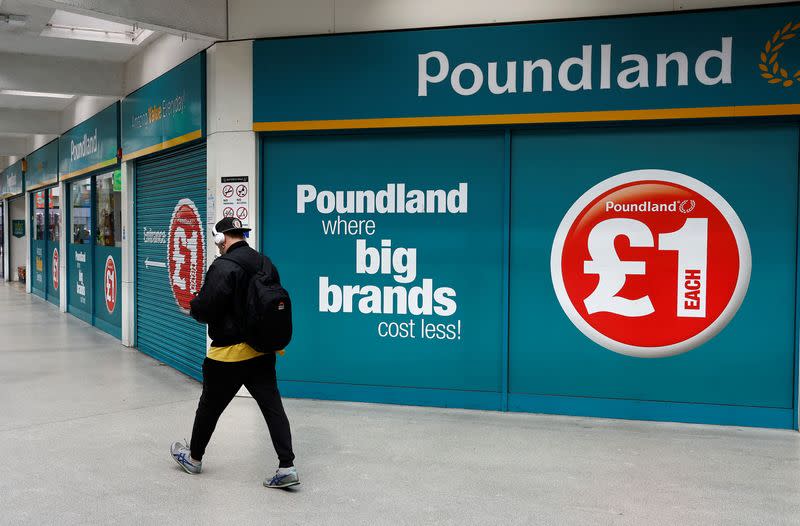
[170, 256]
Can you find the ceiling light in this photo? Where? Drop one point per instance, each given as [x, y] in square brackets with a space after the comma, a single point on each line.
[13, 20]
[82, 27]
[20, 93]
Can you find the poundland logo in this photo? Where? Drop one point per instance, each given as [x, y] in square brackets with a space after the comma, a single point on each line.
[685, 206]
[578, 73]
[87, 146]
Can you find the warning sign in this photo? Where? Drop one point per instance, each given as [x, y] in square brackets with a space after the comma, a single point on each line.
[234, 195]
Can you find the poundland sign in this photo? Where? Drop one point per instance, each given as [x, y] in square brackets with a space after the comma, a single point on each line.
[732, 63]
[166, 112]
[575, 73]
[91, 145]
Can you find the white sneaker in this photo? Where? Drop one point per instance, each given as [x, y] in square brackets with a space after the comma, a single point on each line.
[183, 456]
[284, 478]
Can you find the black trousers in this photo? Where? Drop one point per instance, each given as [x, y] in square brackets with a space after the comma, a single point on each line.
[221, 382]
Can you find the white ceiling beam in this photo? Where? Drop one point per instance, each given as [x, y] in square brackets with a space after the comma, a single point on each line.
[206, 19]
[14, 146]
[61, 75]
[30, 122]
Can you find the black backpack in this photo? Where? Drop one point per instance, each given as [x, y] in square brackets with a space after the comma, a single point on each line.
[267, 308]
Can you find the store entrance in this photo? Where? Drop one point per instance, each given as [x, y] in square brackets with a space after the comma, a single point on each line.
[2, 242]
[94, 250]
[46, 229]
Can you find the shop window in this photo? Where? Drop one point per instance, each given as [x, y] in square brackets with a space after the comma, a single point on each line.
[81, 212]
[54, 227]
[109, 214]
[38, 215]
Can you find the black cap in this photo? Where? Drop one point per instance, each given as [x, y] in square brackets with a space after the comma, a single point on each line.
[230, 224]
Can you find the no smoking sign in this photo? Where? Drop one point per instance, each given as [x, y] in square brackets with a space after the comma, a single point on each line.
[650, 263]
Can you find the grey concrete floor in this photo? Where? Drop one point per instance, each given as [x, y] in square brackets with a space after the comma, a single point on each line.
[85, 426]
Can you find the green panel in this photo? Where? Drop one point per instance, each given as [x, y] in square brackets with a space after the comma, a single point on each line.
[90, 145]
[605, 64]
[79, 272]
[108, 289]
[79, 262]
[750, 363]
[165, 112]
[18, 227]
[164, 330]
[42, 166]
[11, 180]
[38, 269]
[457, 249]
[53, 277]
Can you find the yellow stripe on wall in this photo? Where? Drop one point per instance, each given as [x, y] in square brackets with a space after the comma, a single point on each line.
[164, 145]
[534, 118]
[41, 185]
[92, 168]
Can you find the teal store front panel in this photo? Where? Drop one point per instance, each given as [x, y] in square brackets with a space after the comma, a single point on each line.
[171, 256]
[391, 246]
[653, 273]
[79, 265]
[107, 290]
[88, 159]
[107, 259]
[95, 253]
[53, 246]
[38, 273]
[46, 228]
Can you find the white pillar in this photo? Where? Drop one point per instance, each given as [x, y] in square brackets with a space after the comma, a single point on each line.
[232, 145]
[128, 262]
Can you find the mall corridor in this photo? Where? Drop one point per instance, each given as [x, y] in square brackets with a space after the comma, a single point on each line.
[86, 423]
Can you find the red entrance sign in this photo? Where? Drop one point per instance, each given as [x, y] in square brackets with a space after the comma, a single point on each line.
[110, 283]
[185, 253]
[651, 263]
[55, 269]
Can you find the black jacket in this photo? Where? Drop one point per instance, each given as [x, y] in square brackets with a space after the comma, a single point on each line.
[220, 302]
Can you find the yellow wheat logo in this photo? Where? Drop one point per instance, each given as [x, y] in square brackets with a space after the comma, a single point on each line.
[770, 66]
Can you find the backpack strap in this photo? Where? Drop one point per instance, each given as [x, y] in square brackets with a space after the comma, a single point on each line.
[249, 270]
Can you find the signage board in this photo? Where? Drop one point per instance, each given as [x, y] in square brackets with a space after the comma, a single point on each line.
[91, 145]
[166, 112]
[725, 63]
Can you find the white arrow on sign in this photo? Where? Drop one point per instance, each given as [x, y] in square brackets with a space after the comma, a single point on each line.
[148, 264]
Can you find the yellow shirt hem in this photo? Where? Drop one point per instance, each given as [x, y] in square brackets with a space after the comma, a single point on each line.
[233, 353]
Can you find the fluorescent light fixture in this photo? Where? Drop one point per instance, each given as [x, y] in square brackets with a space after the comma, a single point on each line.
[13, 20]
[20, 93]
[82, 27]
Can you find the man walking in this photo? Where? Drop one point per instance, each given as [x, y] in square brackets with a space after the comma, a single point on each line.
[231, 362]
